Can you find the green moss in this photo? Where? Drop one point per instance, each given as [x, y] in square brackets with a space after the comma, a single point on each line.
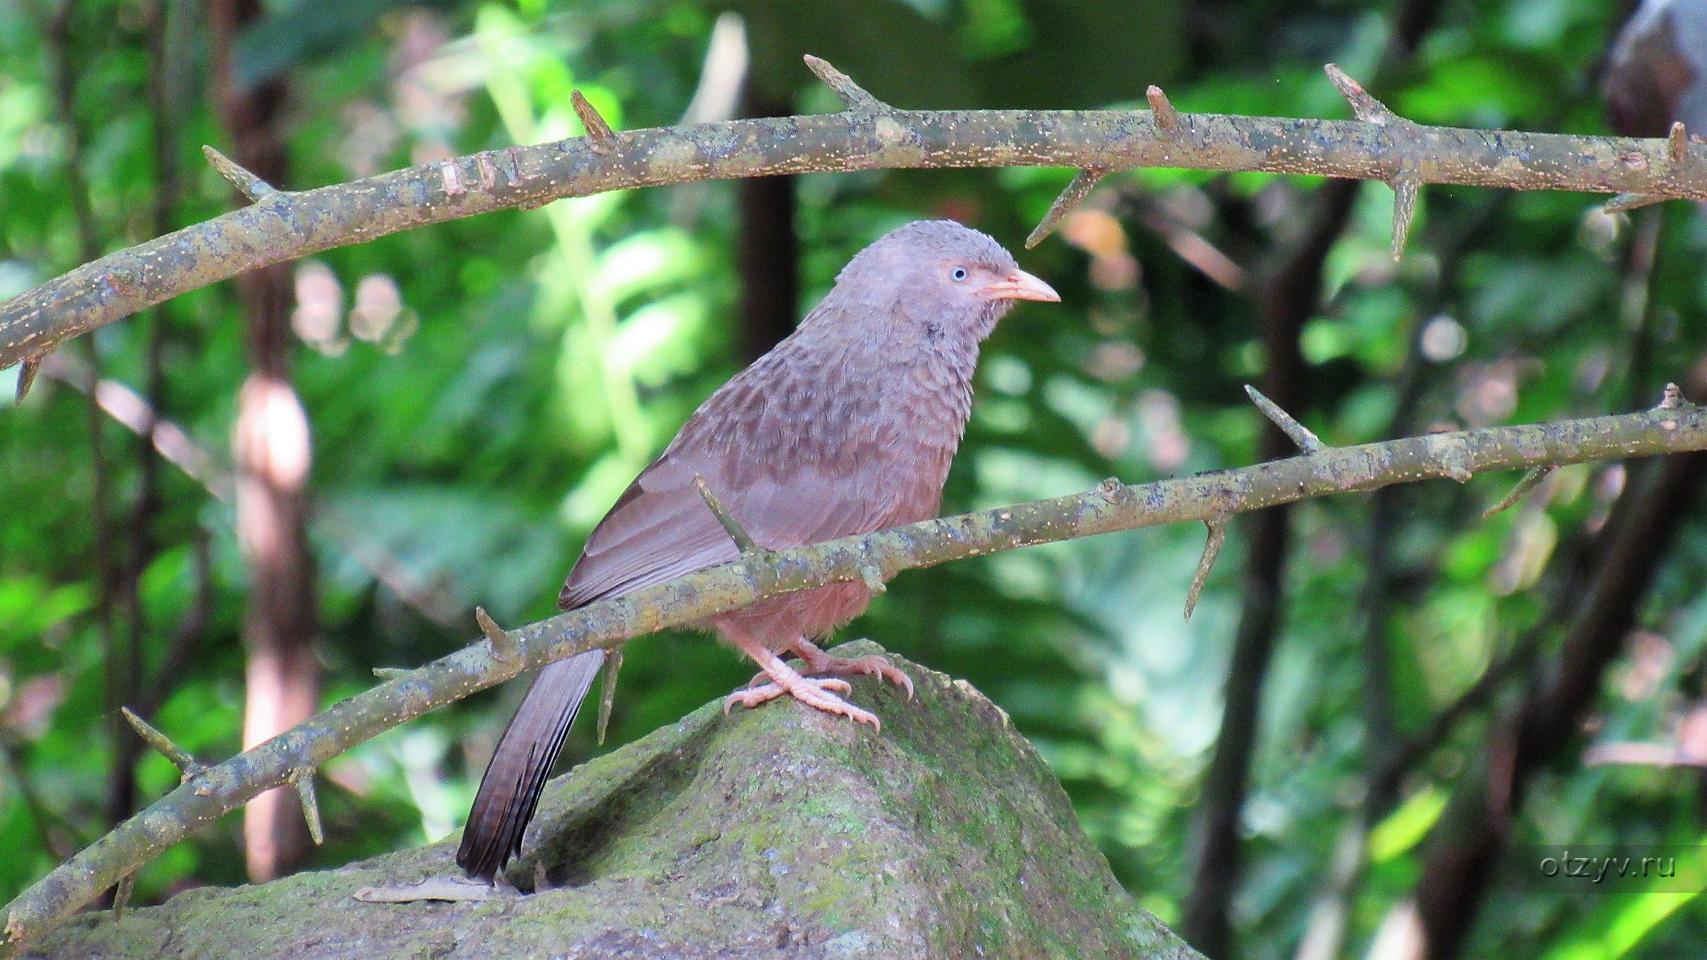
[945, 835]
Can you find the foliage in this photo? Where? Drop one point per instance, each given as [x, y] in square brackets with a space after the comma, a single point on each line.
[480, 391]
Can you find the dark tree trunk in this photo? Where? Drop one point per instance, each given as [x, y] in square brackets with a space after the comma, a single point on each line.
[1474, 830]
[1289, 298]
[770, 260]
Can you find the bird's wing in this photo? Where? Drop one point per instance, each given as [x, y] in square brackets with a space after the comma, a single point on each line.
[788, 476]
[659, 529]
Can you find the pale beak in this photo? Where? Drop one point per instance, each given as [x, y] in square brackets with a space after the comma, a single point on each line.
[1020, 285]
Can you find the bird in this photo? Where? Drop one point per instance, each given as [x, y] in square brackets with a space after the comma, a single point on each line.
[847, 426]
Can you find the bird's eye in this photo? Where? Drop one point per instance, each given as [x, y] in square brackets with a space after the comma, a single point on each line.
[958, 274]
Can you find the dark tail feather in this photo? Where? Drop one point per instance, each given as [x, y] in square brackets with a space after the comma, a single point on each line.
[514, 779]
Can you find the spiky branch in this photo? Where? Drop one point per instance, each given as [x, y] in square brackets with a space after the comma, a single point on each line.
[283, 225]
[290, 759]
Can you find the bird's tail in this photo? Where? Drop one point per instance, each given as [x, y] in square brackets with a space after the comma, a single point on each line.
[514, 779]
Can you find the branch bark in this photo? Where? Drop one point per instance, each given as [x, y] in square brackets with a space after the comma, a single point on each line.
[283, 225]
[1108, 508]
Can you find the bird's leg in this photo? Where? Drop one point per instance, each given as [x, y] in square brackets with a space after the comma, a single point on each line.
[815, 661]
[784, 680]
[818, 662]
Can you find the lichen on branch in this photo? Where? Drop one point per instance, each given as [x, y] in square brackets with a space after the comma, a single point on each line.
[283, 225]
[1672, 427]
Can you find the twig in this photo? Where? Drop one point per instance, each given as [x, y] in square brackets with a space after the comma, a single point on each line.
[852, 94]
[1168, 119]
[696, 596]
[502, 644]
[121, 895]
[1406, 183]
[1211, 549]
[597, 129]
[1308, 442]
[303, 780]
[1523, 486]
[188, 766]
[296, 223]
[1363, 106]
[731, 526]
[27, 371]
[1075, 192]
[607, 689]
[235, 174]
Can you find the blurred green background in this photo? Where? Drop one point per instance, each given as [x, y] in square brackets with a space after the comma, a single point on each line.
[479, 392]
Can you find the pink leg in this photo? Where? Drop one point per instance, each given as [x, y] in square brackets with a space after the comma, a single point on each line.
[819, 662]
[784, 680]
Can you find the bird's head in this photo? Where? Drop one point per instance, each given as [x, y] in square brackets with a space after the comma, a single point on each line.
[941, 272]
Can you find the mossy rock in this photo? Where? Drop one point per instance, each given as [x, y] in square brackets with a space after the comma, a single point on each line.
[776, 832]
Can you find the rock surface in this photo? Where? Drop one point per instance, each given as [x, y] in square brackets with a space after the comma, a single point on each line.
[776, 832]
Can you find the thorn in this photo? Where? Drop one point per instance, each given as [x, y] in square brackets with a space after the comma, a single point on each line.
[27, 375]
[390, 673]
[188, 766]
[1632, 201]
[303, 780]
[1167, 118]
[503, 645]
[1673, 399]
[1534, 476]
[1211, 549]
[607, 689]
[1679, 138]
[598, 131]
[1300, 434]
[121, 894]
[872, 577]
[851, 93]
[1075, 191]
[1405, 193]
[731, 526]
[1365, 107]
[246, 183]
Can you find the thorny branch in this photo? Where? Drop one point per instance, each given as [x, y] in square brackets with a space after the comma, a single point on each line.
[283, 225]
[291, 757]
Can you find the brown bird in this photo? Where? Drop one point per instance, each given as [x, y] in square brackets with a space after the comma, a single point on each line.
[846, 427]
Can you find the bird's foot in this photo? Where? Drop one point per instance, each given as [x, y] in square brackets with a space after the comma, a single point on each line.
[872, 666]
[818, 693]
[818, 663]
[814, 692]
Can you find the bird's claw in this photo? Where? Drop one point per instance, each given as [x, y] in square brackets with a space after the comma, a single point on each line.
[819, 693]
[875, 666]
[871, 666]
